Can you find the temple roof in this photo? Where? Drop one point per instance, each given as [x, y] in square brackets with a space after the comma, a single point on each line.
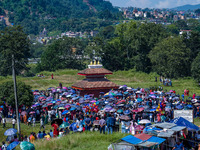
[96, 83]
[94, 71]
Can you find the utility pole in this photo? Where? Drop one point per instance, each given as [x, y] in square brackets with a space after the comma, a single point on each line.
[15, 92]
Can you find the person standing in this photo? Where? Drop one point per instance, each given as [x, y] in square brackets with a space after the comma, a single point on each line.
[13, 122]
[102, 124]
[34, 119]
[110, 124]
[52, 76]
[194, 95]
[4, 122]
[87, 123]
[42, 123]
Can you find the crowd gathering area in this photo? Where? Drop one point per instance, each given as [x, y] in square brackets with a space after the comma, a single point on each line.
[146, 115]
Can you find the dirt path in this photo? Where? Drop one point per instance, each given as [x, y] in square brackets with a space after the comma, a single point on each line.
[90, 6]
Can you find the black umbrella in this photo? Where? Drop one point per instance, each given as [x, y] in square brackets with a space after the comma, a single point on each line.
[59, 121]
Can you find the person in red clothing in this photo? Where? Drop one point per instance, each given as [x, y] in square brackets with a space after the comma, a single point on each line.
[52, 76]
[194, 95]
[55, 129]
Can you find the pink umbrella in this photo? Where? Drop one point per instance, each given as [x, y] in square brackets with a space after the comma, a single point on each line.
[152, 93]
[65, 88]
[135, 110]
[140, 109]
[171, 91]
[93, 101]
[67, 106]
[32, 112]
[23, 113]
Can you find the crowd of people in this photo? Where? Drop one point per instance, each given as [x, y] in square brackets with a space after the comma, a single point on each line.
[118, 110]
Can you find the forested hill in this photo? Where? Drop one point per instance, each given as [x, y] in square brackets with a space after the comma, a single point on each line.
[34, 15]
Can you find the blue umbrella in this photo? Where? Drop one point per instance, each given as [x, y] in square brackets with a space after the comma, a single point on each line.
[10, 131]
[12, 145]
[73, 108]
[139, 100]
[127, 112]
[179, 107]
[64, 112]
[119, 94]
[153, 110]
[189, 106]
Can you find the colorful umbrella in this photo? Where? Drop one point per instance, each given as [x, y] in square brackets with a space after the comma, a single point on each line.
[144, 121]
[124, 117]
[27, 146]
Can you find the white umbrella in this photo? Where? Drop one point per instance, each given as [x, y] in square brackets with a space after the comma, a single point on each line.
[144, 121]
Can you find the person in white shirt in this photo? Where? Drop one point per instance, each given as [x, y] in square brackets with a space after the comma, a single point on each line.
[4, 122]
[34, 121]
[13, 122]
[4, 146]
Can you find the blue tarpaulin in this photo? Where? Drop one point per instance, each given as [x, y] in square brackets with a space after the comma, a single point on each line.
[131, 139]
[183, 122]
[156, 140]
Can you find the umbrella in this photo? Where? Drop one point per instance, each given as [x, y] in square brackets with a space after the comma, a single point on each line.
[67, 106]
[44, 106]
[32, 112]
[59, 121]
[64, 112]
[49, 104]
[140, 109]
[61, 108]
[73, 108]
[179, 107]
[197, 104]
[27, 146]
[23, 113]
[139, 100]
[127, 112]
[135, 110]
[12, 145]
[144, 121]
[64, 125]
[10, 131]
[119, 111]
[189, 106]
[124, 117]
[112, 110]
[153, 109]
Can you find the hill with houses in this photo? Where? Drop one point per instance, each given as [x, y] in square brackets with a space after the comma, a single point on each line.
[62, 15]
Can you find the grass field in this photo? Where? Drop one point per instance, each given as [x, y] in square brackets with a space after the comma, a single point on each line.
[131, 78]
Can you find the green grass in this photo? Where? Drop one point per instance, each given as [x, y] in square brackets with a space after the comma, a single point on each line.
[131, 78]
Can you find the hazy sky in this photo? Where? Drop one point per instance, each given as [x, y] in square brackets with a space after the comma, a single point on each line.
[153, 3]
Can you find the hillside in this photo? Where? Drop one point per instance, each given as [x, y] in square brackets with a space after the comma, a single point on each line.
[187, 7]
[35, 15]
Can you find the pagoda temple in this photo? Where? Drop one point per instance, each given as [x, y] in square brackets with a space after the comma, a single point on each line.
[95, 81]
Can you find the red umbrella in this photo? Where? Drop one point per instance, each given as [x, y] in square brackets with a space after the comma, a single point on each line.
[50, 104]
[122, 101]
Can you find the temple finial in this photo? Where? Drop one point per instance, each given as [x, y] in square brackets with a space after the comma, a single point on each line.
[95, 63]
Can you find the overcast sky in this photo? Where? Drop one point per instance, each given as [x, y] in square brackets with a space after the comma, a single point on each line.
[153, 3]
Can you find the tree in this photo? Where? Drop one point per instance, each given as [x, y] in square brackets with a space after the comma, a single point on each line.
[13, 41]
[24, 93]
[195, 68]
[62, 53]
[171, 58]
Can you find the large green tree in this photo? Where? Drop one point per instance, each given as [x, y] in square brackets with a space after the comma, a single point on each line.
[13, 41]
[24, 93]
[195, 68]
[171, 58]
[62, 53]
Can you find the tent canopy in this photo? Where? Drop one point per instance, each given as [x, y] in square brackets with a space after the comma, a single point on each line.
[131, 139]
[183, 122]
